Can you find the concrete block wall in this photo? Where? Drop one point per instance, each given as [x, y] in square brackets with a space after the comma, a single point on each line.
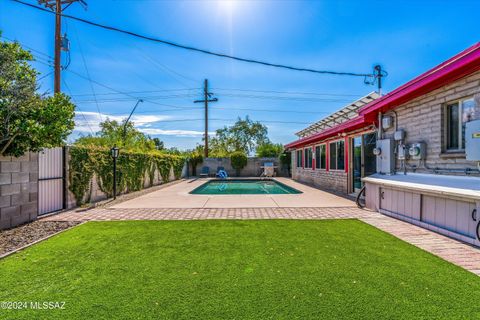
[18, 190]
[97, 195]
[423, 119]
[252, 169]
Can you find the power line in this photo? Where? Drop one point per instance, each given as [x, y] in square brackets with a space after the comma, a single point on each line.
[208, 52]
[76, 106]
[136, 92]
[229, 94]
[118, 91]
[88, 73]
[179, 108]
[221, 119]
[289, 92]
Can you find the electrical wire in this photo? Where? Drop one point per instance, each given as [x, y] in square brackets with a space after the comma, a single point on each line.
[88, 73]
[136, 92]
[76, 106]
[221, 119]
[44, 76]
[228, 109]
[208, 52]
[289, 92]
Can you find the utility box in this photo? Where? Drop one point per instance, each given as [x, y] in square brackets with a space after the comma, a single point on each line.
[402, 152]
[385, 156]
[472, 140]
[387, 122]
[418, 151]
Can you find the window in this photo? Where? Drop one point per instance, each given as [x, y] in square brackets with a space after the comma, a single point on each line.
[299, 156]
[457, 115]
[337, 155]
[320, 157]
[308, 158]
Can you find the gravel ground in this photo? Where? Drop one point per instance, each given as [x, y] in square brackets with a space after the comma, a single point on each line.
[20, 236]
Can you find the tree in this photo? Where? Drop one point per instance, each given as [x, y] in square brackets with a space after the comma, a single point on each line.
[28, 121]
[112, 133]
[195, 157]
[158, 144]
[269, 150]
[286, 161]
[239, 161]
[244, 135]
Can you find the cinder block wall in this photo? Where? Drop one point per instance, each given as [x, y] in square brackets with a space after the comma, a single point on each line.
[423, 119]
[252, 169]
[97, 195]
[18, 190]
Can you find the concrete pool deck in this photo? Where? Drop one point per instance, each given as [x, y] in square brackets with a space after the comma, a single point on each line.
[178, 196]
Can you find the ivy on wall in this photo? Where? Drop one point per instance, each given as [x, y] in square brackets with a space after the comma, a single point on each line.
[134, 170]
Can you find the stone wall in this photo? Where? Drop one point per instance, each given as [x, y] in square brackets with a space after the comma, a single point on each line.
[252, 169]
[423, 120]
[18, 190]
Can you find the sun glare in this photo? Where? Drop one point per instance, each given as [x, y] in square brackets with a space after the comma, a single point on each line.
[228, 5]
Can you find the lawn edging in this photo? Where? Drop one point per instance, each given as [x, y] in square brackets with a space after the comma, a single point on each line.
[9, 253]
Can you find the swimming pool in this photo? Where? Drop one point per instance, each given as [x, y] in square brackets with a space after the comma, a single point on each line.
[244, 186]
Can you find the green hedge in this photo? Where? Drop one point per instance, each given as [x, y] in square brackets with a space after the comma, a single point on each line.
[133, 168]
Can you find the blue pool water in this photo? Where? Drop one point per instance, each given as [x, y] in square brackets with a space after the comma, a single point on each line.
[265, 186]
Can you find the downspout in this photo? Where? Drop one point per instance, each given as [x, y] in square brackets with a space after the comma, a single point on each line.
[380, 129]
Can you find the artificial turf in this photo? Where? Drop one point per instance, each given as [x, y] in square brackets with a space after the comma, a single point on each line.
[256, 269]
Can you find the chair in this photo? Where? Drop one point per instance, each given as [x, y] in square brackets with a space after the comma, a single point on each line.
[268, 169]
[205, 172]
[221, 173]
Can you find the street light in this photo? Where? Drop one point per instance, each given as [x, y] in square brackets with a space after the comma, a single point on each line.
[114, 153]
[124, 136]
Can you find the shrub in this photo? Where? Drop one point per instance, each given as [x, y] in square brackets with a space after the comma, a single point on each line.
[286, 161]
[134, 168]
[194, 159]
[238, 160]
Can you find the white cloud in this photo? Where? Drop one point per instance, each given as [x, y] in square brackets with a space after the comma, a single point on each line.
[86, 121]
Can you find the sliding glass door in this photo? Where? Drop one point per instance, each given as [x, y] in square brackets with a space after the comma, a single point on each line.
[363, 160]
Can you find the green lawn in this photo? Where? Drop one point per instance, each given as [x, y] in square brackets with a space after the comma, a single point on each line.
[270, 269]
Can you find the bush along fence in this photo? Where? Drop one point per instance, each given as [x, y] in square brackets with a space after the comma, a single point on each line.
[90, 172]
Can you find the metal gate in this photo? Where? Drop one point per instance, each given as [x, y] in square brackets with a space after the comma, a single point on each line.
[51, 182]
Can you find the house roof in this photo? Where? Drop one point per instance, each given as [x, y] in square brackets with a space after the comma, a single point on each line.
[344, 114]
[460, 65]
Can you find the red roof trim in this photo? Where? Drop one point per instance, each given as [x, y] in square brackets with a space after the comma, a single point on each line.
[350, 124]
[464, 63]
[460, 65]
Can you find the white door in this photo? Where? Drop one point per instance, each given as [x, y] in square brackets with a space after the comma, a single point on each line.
[50, 180]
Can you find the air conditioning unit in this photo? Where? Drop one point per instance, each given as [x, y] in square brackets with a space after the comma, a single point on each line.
[472, 140]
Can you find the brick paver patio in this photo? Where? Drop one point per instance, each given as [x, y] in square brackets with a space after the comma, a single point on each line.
[451, 250]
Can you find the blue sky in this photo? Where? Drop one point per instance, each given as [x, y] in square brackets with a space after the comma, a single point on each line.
[405, 37]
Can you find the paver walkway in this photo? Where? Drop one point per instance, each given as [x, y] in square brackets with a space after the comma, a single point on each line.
[451, 250]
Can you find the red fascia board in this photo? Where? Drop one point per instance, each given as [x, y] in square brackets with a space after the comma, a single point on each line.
[349, 125]
[462, 64]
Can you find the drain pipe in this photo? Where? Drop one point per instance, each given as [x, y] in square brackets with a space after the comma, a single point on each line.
[380, 129]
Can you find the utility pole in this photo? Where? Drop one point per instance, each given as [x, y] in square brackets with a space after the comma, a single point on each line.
[58, 6]
[206, 100]
[378, 74]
